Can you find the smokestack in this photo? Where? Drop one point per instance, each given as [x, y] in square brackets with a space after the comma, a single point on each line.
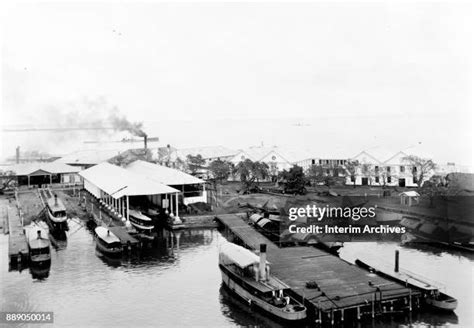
[39, 234]
[145, 140]
[56, 200]
[263, 261]
[18, 155]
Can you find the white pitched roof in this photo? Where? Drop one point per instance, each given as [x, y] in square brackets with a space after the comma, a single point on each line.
[410, 193]
[118, 182]
[91, 156]
[206, 152]
[162, 174]
[50, 167]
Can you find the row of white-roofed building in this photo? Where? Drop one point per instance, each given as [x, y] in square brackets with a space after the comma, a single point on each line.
[379, 167]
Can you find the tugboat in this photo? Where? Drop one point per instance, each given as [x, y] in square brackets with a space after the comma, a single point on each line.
[56, 216]
[247, 275]
[38, 246]
[108, 243]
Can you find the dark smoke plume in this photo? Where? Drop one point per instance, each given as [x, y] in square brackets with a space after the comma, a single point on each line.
[120, 123]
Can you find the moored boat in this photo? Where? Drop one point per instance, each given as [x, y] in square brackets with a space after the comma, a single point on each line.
[433, 296]
[442, 301]
[247, 275]
[56, 214]
[141, 222]
[107, 243]
[38, 246]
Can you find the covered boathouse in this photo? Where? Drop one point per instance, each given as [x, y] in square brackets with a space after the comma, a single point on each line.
[40, 173]
[192, 189]
[123, 190]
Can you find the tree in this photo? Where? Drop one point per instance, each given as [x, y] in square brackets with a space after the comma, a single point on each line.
[433, 190]
[194, 163]
[382, 174]
[421, 167]
[368, 171]
[220, 170]
[351, 168]
[294, 180]
[260, 170]
[7, 179]
[251, 172]
[316, 174]
[180, 164]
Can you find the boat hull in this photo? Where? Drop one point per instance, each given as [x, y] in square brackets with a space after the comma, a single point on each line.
[253, 300]
[112, 253]
[55, 224]
[42, 260]
[449, 304]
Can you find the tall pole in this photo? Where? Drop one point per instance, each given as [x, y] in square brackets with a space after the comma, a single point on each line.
[397, 257]
[128, 208]
[176, 205]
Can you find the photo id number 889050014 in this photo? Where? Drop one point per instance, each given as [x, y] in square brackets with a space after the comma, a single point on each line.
[29, 317]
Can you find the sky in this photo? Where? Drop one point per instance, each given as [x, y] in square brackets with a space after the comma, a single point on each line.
[367, 74]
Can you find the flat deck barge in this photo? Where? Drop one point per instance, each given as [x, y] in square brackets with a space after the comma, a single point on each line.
[332, 289]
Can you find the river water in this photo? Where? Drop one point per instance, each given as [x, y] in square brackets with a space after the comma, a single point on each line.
[178, 283]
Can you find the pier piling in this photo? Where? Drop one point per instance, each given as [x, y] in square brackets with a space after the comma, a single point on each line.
[397, 258]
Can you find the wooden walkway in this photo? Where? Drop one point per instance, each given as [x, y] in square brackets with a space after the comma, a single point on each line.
[17, 246]
[341, 285]
[123, 235]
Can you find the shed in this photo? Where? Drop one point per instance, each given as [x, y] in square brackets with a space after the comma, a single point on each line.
[191, 188]
[409, 198]
[45, 173]
[115, 185]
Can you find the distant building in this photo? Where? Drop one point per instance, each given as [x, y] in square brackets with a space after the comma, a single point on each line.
[209, 154]
[275, 159]
[380, 167]
[88, 158]
[38, 174]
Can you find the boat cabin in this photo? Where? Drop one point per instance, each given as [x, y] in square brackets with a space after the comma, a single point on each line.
[107, 239]
[56, 209]
[140, 221]
[39, 247]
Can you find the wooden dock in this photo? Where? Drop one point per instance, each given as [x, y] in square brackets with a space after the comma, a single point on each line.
[17, 245]
[124, 236]
[336, 285]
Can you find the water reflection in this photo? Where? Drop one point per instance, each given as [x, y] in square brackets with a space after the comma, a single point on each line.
[177, 282]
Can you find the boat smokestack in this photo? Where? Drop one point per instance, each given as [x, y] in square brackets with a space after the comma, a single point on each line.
[263, 261]
[39, 234]
[145, 141]
[56, 200]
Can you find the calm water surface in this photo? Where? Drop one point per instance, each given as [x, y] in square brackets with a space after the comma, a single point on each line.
[178, 284]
